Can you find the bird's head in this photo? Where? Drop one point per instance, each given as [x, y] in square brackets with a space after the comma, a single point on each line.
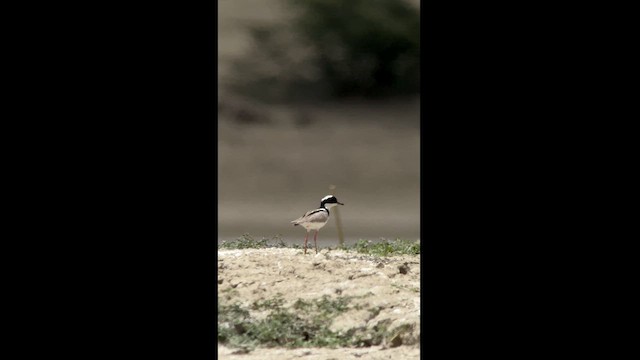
[329, 201]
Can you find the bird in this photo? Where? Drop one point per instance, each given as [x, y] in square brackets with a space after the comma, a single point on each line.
[316, 219]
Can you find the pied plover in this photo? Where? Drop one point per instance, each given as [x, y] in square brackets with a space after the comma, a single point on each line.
[316, 219]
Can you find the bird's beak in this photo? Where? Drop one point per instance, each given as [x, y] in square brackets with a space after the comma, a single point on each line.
[340, 203]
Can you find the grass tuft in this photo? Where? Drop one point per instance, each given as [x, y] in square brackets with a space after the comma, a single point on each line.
[387, 248]
[305, 324]
[246, 241]
[383, 247]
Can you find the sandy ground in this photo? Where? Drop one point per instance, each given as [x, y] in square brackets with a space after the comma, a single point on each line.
[373, 353]
[391, 284]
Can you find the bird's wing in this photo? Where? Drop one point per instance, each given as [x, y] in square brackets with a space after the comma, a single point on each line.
[318, 215]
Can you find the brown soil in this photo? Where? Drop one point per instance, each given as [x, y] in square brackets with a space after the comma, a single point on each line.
[392, 284]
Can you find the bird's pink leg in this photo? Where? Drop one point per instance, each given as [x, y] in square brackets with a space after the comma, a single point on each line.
[315, 237]
[305, 243]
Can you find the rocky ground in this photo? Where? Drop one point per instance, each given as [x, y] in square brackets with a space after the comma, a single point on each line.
[381, 291]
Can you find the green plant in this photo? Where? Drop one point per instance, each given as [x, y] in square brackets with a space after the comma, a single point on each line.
[334, 48]
[363, 47]
[246, 241]
[305, 323]
[387, 248]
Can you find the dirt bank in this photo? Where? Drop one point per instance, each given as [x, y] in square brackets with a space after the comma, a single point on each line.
[381, 290]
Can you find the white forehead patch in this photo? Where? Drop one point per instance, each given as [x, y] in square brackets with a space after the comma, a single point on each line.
[326, 197]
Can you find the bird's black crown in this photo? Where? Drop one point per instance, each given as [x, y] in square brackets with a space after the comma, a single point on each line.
[329, 199]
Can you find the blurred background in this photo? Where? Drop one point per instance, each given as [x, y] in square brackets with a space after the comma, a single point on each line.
[316, 93]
